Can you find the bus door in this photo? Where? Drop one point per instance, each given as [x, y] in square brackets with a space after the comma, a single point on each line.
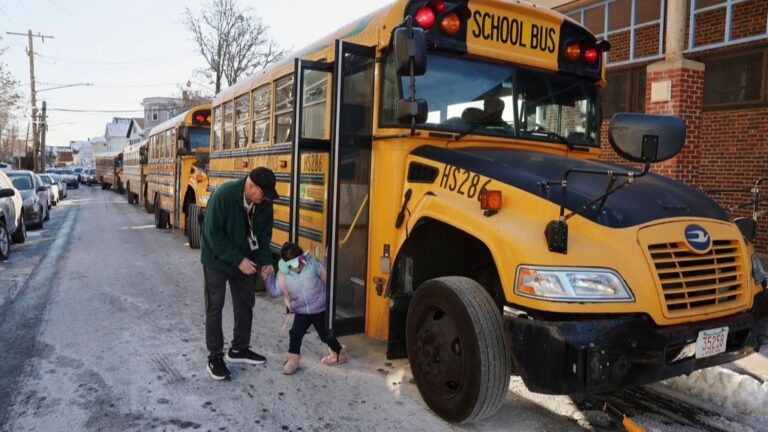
[177, 184]
[331, 176]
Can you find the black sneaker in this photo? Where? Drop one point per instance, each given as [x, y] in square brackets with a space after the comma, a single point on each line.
[217, 369]
[244, 356]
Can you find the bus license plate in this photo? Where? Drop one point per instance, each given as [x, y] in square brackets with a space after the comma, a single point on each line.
[711, 342]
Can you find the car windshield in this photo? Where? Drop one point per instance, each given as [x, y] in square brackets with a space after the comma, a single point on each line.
[471, 96]
[21, 181]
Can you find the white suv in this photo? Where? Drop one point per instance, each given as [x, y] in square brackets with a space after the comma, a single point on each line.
[12, 227]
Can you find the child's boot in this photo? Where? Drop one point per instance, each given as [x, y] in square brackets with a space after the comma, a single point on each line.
[333, 358]
[291, 363]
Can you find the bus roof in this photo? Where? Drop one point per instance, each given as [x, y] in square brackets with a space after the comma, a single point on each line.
[108, 154]
[375, 29]
[183, 118]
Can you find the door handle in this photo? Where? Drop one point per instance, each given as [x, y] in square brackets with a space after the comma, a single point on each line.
[379, 281]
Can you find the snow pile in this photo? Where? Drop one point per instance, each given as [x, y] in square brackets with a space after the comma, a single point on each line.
[725, 388]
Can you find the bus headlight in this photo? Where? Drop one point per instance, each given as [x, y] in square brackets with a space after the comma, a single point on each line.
[758, 272]
[572, 285]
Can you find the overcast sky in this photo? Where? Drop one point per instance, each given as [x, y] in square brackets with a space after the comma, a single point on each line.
[130, 50]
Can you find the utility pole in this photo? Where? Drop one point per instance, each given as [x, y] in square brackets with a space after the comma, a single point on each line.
[31, 52]
[43, 127]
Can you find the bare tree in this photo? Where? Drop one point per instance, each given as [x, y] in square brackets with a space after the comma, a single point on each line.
[9, 101]
[191, 98]
[233, 41]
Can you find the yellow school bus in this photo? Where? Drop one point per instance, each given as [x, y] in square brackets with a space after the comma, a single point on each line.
[109, 168]
[441, 157]
[134, 172]
[177, 182]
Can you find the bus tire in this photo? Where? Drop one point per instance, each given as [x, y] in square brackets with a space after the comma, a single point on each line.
[193, 226]
[148, 206]
[456, 348]
[160, 221]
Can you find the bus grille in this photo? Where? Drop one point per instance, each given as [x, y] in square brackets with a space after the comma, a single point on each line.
[699, 283]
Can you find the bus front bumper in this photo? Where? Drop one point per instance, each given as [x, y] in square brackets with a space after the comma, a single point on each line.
[593, 356]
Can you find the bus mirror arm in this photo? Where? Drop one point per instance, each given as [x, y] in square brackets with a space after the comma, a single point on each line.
[410, 51]
[556, 231]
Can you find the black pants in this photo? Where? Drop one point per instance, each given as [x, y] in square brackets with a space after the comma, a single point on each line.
[301, 323]
[243, 299]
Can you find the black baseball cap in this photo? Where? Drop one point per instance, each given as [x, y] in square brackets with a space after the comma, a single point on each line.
[264, 178]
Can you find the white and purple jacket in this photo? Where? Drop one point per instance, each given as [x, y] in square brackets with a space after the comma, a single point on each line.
[306, 289]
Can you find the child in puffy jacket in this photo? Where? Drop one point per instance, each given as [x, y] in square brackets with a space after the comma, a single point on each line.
[302, 281]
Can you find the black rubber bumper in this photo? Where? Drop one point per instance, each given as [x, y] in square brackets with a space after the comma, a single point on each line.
[593, 356]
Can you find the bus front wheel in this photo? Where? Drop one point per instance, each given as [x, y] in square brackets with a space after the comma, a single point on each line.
[457, 350]
[161, 216]
[193, 226]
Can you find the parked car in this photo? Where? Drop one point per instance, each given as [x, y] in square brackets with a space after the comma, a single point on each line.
[12, 227]
[53, 188]
[62, 186]
[89, 175]
[34, 195]
[69, 176]
[79, 172]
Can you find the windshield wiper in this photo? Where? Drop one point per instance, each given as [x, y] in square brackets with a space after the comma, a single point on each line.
[469, 130]
[555, 135]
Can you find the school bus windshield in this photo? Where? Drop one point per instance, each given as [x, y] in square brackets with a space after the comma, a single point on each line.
[466, 96]
[198, 138]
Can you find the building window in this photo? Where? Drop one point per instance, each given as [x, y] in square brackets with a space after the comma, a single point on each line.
[625, 92]
[735, 81]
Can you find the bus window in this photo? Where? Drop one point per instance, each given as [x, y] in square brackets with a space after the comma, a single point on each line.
[283, 109]
[554, 104]
[227, 138]
[198, 138]
[217, 123]
[314, 115]
[461, 95]
[261, 105]
[241, 121]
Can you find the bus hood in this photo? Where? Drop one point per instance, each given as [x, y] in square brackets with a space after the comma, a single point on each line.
[651, 197]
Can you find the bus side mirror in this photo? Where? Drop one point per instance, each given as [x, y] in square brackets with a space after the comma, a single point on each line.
[748, 228]
[409, 46]
[408, 110]
[410, 50]
[646, 138]
[182, 151]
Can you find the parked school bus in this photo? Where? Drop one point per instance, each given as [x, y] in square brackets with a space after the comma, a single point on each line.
[442, 158]
[134, 172]
[177, 181]
[109, 168]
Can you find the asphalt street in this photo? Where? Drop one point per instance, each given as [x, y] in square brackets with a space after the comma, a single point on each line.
[106, 317]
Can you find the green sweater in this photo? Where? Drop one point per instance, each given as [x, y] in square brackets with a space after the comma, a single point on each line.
[225, 226]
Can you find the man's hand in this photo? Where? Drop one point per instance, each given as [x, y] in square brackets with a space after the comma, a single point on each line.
[247, 266]
[266, 271]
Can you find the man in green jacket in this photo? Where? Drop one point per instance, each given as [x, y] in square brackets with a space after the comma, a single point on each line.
[237, 232]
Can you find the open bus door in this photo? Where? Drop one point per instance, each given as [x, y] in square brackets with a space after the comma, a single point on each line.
[331, 176]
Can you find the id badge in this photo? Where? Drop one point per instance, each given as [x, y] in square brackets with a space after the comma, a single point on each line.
[252, 241]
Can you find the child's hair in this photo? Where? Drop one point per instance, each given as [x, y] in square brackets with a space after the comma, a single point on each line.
[290, 251]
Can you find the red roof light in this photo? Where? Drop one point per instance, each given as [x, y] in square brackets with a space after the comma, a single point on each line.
[590, 55]
[425, 18]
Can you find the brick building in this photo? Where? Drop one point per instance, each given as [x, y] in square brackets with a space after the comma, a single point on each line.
[705, 61]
